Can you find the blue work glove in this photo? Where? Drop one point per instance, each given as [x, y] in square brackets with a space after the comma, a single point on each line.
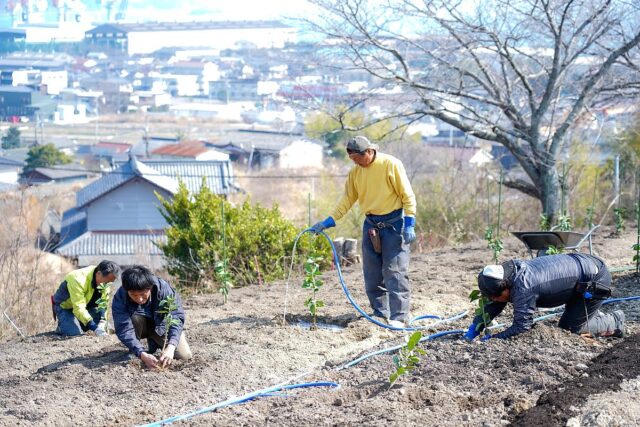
[327, 223]
[471, 332]
[92, 325]
[486, 337]
[409, 229]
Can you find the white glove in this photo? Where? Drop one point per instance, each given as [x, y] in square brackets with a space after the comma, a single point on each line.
[167, 355]
[101, 330]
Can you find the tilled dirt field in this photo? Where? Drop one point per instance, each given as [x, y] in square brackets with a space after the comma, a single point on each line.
[545, 377]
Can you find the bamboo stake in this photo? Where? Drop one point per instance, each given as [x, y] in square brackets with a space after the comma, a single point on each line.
[14, 325]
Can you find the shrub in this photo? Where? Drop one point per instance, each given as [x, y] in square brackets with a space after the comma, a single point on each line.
[258, 240]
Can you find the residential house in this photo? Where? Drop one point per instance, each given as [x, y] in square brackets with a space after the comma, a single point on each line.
[111, 151]
[63, 174]
[259, 149]
[193, 150]
[145, 38]
[118, 217]
[16, 101]
[229, 90]
[9, 172]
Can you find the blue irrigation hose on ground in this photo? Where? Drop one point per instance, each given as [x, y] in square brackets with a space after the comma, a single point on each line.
[462, 331]
[237, 400]
[336, 262]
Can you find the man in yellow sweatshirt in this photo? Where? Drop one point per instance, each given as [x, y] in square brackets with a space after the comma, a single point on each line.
[379, 183]
[75, 303]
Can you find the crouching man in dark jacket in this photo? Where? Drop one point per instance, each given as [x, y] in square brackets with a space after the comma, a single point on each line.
[579, 281]
[135, 315]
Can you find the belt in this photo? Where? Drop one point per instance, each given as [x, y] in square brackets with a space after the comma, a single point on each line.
[384, 224]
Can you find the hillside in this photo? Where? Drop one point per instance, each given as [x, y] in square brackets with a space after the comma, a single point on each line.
[544, 377]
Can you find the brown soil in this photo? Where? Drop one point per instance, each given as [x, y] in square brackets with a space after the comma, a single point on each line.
[543, 377]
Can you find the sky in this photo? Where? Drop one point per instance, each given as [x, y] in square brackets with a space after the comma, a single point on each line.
[188, 10]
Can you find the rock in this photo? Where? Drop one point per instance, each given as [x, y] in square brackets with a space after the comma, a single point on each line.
[573, 422]
[581, 367]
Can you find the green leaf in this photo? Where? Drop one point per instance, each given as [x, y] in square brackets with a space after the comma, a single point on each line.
[474, 295]
[414, 339]
[393, 378]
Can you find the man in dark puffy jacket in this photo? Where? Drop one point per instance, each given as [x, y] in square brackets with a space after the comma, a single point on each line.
[579, 281]
[135, 315]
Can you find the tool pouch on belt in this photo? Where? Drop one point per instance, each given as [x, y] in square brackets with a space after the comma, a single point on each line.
[374, 235]
[595, 290]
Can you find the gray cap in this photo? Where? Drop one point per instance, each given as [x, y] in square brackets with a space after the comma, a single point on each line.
[360, 144]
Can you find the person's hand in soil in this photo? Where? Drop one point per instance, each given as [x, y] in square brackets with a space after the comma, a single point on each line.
[167, 355]
[149, 360]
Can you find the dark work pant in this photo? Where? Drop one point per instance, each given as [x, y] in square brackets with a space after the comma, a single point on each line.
[385, 275]
[583, 316]
[145, 328]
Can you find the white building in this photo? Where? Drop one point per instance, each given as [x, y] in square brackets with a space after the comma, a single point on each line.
[301, 154]
[145, 38]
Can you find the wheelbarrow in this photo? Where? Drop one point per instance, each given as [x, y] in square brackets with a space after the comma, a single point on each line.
[540, 241]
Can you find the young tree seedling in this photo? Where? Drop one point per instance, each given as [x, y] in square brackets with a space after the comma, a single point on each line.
[166, 307]
[103, 302]
[552, 250]
[224, 280]
[475, 295]
[619, 214]
[311, 282]
[407, 358]
[564, 223]
[636, 257]
[544, 223]
[494, 243]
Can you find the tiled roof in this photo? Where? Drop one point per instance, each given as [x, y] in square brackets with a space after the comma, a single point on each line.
[74, 224]
[55, 173]
[219, 174]
[190, 149]
[117, 147]
[126, 172]
[110, 243]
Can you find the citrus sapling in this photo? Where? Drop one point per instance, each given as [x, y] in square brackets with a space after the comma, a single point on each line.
[619, 214]
[103, 302]
[407, 358]
[564, 223]
[475, 295]
[311, 282]
[224, 280]
[166, 308]
[544, 223]
[636, 257]
[494, 243]
[552, 250]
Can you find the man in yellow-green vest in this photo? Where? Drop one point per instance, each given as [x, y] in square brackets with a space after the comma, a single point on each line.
[379, 183]
[76, 303]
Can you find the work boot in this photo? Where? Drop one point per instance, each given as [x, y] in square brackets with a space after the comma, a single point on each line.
[618, 332]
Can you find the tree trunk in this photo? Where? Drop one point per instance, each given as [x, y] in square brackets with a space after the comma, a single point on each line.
[549, 185]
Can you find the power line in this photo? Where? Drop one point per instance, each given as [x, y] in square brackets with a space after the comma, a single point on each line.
[177, 176]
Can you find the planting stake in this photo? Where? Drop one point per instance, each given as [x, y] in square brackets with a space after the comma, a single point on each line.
[591, 212]
[638, 238]
[309, 200]
[224, 236]
[499, 202]
[14, 325]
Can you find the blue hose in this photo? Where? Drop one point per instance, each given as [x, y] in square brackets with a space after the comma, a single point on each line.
[336, 262]
[237, 400]
[461, 331]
